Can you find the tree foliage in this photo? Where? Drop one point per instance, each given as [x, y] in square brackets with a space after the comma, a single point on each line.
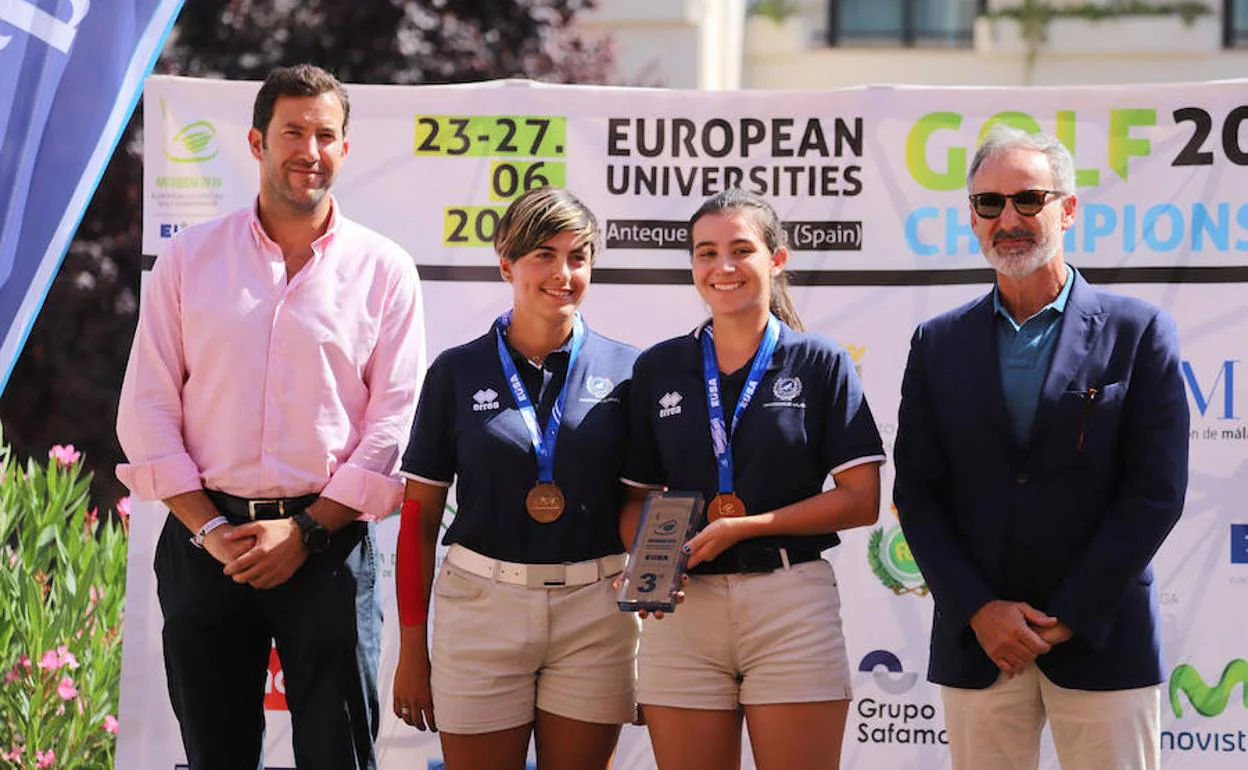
[64, 387]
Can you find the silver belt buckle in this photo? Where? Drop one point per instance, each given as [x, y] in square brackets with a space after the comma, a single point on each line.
[547, 575]
[279, 504]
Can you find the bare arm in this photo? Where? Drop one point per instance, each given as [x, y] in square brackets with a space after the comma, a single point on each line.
[854, 502]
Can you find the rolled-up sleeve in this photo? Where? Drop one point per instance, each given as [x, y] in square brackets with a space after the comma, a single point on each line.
[149, 415]
[368, 480]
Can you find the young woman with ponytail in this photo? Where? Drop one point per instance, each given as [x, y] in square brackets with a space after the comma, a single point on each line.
[766, 413]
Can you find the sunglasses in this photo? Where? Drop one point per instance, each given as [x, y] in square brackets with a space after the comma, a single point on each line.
[1028, 202]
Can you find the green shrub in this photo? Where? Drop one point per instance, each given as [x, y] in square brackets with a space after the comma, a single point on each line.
[62, 586]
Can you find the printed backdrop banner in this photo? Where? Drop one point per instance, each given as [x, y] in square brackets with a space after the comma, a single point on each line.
[70, 76]
[871, 185]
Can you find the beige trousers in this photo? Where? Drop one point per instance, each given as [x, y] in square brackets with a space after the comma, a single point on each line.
[998, 728]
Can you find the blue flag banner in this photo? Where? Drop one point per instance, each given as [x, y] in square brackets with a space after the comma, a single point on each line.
[70, 75]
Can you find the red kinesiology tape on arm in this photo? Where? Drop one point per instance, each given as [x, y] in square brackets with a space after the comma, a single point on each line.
[409, 577]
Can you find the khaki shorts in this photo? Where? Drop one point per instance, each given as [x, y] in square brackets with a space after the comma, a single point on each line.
[748, 639]
[500, 651]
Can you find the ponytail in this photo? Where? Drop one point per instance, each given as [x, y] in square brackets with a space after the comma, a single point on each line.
[773, 236]
[782, 305]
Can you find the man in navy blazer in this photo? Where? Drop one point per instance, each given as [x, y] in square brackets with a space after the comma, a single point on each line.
[1041, 460]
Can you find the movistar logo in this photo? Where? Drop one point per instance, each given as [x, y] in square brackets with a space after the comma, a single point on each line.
[1208, 701]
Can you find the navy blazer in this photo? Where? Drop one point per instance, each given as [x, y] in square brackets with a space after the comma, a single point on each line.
[1067, 523]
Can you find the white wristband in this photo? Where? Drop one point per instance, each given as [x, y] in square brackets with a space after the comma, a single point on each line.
[204, 531]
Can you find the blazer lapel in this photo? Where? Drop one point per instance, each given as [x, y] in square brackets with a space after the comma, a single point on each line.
[984, 367]
[1082, 322]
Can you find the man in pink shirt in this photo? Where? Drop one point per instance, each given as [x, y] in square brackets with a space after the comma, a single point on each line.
[267, 400]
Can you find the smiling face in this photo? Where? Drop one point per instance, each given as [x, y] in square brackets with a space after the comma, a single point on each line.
[1017, 245]
[300, 153]
[732, 266]
[550, 281]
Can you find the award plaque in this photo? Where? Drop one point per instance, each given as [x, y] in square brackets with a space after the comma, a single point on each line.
[656, 562]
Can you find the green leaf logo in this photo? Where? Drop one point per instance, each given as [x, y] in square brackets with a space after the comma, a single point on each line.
[891, 561]
[195, 143]
[1208, 701]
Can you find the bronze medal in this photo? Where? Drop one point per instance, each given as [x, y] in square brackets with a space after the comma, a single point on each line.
[724, 506]
[544, 502]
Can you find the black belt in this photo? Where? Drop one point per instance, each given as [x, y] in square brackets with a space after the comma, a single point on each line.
[237, 508]
[756, 559]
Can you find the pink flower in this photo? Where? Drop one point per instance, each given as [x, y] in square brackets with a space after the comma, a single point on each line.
[66, 689]
[12, 675]
[14, 755]
[53, 660]
[93, 516]
[110, 724]
[65, 455]
[24, 661]
[45, 758]
[123, 507]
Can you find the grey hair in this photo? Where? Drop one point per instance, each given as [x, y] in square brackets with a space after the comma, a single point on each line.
[1001, 137]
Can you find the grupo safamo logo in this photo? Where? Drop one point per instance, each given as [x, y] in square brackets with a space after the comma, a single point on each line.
[195, 142]
[1208, 701]
[890, 558]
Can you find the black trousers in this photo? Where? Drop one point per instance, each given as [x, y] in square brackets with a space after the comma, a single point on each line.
[326, 624]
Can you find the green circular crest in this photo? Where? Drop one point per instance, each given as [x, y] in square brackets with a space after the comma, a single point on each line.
[891, 561]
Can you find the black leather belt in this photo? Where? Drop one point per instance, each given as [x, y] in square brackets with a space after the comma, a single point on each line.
[756, 559]
[237, 508]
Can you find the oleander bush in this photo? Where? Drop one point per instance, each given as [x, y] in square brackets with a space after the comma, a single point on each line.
[62, 586]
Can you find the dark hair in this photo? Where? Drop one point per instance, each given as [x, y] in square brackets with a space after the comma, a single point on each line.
[299, 80]
[539, 215]
[769, 229]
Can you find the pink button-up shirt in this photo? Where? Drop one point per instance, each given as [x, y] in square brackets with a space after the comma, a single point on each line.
[242, 382]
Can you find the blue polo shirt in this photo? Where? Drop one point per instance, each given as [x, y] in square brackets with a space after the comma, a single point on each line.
[467, 426]
[808, 418]
[1024, 352]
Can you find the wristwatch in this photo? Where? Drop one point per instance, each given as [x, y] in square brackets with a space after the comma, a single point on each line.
[315, 536]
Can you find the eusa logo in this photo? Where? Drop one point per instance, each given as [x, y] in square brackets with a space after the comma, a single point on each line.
[938, 152]
[666, 527]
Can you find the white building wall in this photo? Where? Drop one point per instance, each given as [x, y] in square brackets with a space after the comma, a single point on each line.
[674, 43]
[712, 44]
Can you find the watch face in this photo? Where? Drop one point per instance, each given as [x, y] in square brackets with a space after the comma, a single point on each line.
[315, 536]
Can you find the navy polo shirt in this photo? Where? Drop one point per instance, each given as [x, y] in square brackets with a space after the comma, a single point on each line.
[807, 419]
[467, 426]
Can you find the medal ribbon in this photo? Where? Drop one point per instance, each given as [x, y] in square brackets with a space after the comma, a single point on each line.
[721, 435]
[543, 445]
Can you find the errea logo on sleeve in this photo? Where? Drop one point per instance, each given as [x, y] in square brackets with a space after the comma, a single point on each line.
[485, 400]
[669, 404]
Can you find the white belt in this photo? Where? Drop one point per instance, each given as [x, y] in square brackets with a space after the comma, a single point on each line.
[536, 575]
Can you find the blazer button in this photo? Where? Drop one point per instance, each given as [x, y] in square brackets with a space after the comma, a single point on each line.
[1021, 479]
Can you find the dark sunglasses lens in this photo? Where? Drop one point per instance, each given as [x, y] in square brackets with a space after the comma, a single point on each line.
[989, 205]
[1029, 202]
